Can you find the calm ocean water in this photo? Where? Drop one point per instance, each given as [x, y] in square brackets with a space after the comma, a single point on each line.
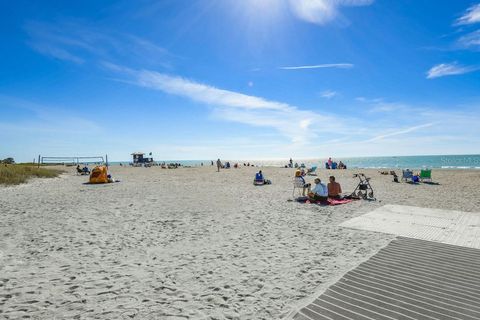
[411, 162]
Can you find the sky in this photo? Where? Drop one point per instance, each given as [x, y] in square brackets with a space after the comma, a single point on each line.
[252, 79]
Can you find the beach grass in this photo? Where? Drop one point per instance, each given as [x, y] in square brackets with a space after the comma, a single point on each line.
[13, 174]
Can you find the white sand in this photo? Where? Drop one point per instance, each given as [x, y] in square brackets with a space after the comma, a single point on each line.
[188, 243]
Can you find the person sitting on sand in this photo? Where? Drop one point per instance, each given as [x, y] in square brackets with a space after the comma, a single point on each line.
[334, 189]
[260, 179]
[300, 180]
[319, 191]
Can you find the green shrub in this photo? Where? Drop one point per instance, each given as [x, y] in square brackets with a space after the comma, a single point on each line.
[16, 174]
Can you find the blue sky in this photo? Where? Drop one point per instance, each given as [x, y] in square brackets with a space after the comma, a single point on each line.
[253, 79]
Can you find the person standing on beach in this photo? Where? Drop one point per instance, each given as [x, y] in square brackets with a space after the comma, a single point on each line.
[219, 165]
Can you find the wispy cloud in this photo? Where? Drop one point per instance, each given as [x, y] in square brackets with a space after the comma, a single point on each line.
[205, 93]
[328, 94]
[306, 128]
[291, 121]
[322, 11]
[78, 42]
[320, 66]
[448, 69]
[400, 132]
[56, 52]
[471, 16]
[470, 40]
[238, 107]
[45, 119]
[382, 106]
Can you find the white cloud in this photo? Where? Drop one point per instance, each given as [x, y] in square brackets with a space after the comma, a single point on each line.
[205, 93]
[78, 43]
[448, 69]
[322, 11]
[310, 132]
[400, 132]
[56, 52]
[382, 106]
[290, 121]
[304, 128]
[471, 16]
[328, 94]
[319, 66]
[46, 119]
[470, 40]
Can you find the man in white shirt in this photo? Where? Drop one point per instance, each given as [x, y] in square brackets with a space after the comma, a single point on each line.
[319, 191]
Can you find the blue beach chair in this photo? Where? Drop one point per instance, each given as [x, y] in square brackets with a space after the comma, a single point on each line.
[407, 175]
[312, 171]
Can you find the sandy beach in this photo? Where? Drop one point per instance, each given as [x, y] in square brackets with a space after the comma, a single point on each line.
[189, 243]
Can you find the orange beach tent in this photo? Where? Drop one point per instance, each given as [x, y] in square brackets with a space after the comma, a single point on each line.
[99, 174]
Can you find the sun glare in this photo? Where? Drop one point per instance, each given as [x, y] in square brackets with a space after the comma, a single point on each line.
[263, 10]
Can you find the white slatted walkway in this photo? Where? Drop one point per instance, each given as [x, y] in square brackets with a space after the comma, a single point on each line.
[409, 279]
[446, 226]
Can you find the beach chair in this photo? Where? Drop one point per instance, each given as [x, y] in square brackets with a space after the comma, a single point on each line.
[406, 175]
[298, 185]
[312, 171]
[426, 174]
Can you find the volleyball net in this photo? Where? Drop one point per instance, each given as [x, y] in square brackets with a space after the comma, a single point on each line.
[71, 160]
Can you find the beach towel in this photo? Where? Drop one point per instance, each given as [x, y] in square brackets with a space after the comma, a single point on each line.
[336, 202]
[328, 202]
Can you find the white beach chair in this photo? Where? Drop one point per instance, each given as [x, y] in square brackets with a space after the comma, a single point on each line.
[298, 185]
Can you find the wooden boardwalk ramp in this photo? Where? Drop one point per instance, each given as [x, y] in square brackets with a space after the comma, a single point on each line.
[408, 279]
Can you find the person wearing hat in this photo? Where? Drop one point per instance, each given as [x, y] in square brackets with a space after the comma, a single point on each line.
[300, 179]
[319, 191]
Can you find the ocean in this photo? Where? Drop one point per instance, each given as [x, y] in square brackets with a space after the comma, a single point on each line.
[410, 162]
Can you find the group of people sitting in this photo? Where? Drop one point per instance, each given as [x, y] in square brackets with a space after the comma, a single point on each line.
[330, 164]
[320, 192]
[227, 165]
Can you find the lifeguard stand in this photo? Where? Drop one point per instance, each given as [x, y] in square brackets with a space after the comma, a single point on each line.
[139, 160]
